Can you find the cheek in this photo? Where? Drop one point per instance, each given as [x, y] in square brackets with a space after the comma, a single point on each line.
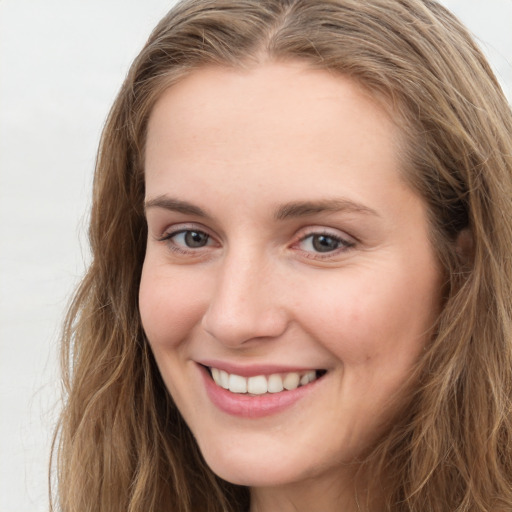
[382, 319]
[169, 306]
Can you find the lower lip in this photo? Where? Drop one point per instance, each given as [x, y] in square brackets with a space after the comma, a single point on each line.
[253, 406]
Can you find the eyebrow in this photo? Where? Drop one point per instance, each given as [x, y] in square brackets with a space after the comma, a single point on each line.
[290, 210]
[175, 205]
[305, 208]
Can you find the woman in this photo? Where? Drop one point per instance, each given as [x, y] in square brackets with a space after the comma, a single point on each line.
[300, 290]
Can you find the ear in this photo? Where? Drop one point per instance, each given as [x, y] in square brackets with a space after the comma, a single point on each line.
[464, 246]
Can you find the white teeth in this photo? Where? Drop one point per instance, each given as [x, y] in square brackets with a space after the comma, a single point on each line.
[224, 379]
[237, 384]
[257, 385]
[275, 383]
[261, 384]
[307, 378]
[291, 381]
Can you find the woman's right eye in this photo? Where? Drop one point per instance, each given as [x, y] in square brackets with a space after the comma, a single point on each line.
[186, 240]
[191, 239]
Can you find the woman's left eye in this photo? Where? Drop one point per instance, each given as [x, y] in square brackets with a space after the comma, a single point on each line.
[323, 243]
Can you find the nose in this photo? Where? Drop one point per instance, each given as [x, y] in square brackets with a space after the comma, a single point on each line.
[246, 302]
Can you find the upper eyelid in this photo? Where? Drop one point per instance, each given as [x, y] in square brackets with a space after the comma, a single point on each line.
[185, 226]
[345, 243]
[329, 235]
[324, 230]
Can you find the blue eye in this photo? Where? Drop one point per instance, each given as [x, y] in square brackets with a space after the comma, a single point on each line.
[323, 243]
[189, 238]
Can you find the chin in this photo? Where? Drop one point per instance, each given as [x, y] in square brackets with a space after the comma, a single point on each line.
[260, 461]
[254, 474]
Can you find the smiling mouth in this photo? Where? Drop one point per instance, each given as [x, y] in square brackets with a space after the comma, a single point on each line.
[261, 384]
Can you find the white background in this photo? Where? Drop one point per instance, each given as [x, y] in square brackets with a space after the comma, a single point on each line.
[61, 63]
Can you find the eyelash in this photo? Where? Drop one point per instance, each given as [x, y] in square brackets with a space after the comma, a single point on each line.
[180, 249]
[343, 244]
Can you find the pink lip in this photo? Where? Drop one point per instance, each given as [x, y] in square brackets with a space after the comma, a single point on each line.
[253, 370]
[249, 406]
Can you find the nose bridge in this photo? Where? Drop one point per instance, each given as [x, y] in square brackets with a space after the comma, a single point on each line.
[245, 304]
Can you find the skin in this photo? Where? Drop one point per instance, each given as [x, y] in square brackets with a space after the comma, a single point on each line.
[239, 145]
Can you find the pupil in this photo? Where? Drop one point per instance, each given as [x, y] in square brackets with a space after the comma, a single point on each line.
[323, 243]
[196, 239]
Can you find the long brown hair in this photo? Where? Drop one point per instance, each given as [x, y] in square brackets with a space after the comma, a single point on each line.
[122, 445]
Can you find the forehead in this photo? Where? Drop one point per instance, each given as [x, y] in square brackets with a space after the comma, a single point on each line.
[247, 114]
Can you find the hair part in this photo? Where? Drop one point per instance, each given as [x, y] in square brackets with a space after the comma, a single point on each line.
[122, 444]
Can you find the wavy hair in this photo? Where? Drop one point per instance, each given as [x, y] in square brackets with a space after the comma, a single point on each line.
[122, 446]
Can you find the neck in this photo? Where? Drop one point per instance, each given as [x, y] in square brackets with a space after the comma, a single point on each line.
[335, 494]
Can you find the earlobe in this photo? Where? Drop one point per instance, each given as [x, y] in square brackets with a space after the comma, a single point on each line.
[464, 246]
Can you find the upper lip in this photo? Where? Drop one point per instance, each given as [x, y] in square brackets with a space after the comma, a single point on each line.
[254, 369]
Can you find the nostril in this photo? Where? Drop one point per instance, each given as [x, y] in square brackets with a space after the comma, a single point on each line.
[233, 328]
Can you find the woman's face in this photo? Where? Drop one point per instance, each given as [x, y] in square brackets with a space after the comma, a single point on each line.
[284, 251]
